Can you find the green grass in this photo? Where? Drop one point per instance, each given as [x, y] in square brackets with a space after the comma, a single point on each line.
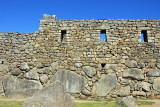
[97, 104]
[145, 102]
[110, 103]
[11, 103]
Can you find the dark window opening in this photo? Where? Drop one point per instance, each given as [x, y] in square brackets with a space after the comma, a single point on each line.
[103, 35]
[2, 62]
[63, 34]
[144, 37]
[103, 65]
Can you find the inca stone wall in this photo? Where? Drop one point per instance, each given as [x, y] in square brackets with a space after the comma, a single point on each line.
[72, 52]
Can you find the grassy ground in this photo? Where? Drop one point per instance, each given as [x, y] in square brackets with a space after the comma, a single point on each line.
[11, 103]
[84, 104]
[97, 104]
[145, 102]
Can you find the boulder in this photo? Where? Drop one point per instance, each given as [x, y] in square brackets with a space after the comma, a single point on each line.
[111, 66]
[131, 64]
[151, 65]
[105, 84]
[156, 84]
[124, 91]
[158, 65]
[128, 102]
[153, 73]
[45, 70]
[4, 68]
[138, 93]
[90, 71]
[146, 86]
[15, 87]
[133, 73]
[53, 95]
[39, 65]
[86, 92]
[54, 65]
[78, 65]
[24, 66]
[72, 82]
[32, 74]
[43, 78]
[15, 71]
[124, 81]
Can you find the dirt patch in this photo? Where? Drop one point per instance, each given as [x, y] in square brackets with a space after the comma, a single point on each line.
[12, 99]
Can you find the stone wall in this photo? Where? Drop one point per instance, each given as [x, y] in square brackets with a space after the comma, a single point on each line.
[87, 66]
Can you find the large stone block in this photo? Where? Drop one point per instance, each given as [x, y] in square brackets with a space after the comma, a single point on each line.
[111, 66]
[153, 73]
[146, 86]
[124, 91]
[105, 84]
[127, 102]
[138, 93]
[156, 84]
[24, 66]
[15, 87]
[53, 95]
[15, 71]
[90, 71]
[133, 73]
[32, 74]
[4, 68]
[72, 81]
[131, 64]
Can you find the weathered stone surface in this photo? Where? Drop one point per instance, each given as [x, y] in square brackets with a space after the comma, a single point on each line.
[48, 17]
[153, 73]
[124, 81]
[86, 92]
[53, 95]
[43, 78]
[146, 86]
[156, 84]
[78, 65]
[72, 81]
[15, 71]
[124, 91]
[45, 70]
[24, 66]
[105, 84]
[151, 65]
[32, 74]
[90, 71]
[73, 44]
[138, 93]
[4, 68]
[15, 87]
[39, 65]
[54, 65]
[129, 102]
[131, 64]
[133, 73]
[111, 66]
[158, 65]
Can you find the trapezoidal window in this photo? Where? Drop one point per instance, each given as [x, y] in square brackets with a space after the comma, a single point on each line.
[103, 35]
[63, 34]
[144, 37]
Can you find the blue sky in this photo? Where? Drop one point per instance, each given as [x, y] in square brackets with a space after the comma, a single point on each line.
[23, 15]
